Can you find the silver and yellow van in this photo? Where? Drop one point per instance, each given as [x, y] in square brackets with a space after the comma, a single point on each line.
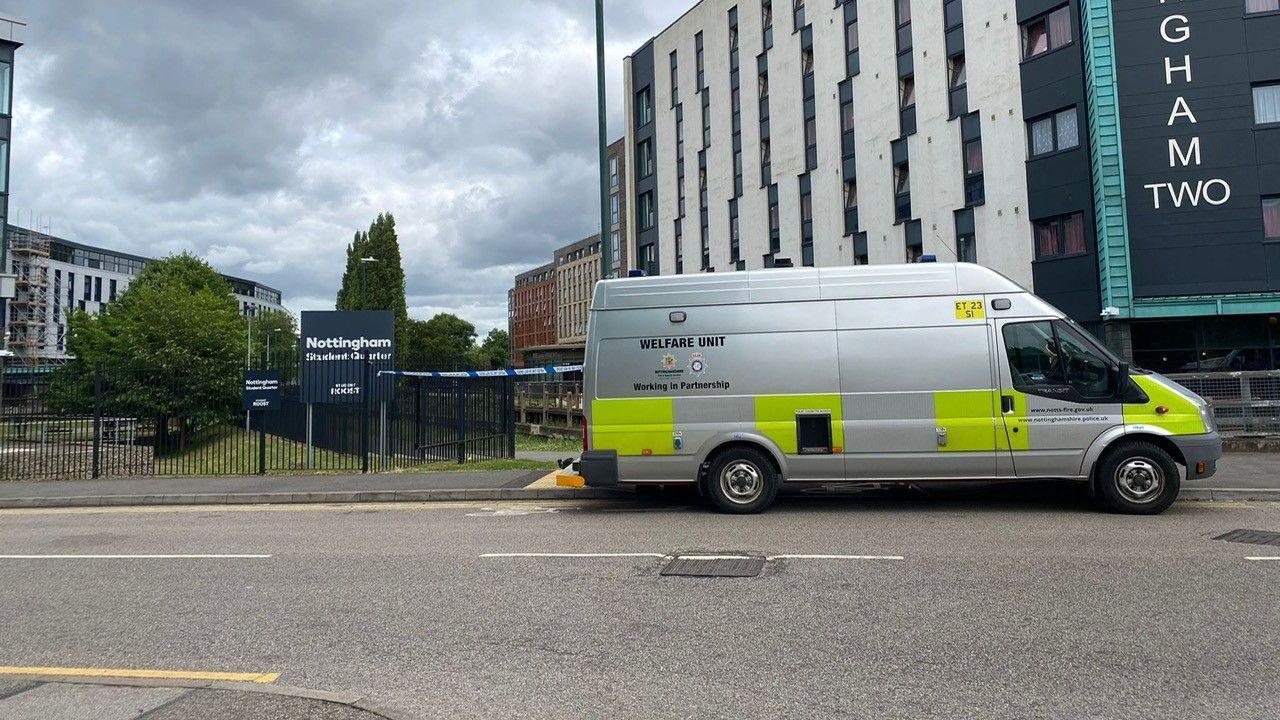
[895, 373]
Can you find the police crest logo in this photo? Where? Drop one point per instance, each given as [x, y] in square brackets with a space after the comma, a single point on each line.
[697, 363]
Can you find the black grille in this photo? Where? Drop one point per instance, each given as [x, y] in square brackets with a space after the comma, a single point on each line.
[714, 565]
[1251, 537]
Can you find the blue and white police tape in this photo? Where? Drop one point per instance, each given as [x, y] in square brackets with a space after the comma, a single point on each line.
[507, 372]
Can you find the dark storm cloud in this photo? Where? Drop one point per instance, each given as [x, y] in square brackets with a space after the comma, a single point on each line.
[263, 134]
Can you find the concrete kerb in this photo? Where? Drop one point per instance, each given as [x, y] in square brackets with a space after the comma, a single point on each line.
[358, 702]
[331, 497]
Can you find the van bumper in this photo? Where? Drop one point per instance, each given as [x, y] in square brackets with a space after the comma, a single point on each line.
[1201, 452]
[599, 468]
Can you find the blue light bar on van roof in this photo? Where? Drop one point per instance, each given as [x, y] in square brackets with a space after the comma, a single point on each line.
[928, 258]
[635, 273]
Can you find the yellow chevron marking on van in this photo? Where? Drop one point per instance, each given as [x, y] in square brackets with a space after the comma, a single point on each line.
[633, 425]
[776, 417]
[969, 417]
[1183, 417]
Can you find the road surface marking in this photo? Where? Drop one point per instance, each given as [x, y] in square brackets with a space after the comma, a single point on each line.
[130, 557]
[682, 556]
[836, 557]
[1263, 557]
[133, 673]
[572, 555]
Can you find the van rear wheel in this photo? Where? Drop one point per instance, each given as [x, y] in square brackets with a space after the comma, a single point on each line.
[741, 480]
[1138, 478]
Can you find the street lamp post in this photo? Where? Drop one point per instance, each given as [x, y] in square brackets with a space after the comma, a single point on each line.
[267, 364]
[364, 263]
[605, 250]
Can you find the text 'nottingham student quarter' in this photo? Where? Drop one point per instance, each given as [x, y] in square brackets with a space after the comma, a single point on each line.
[1122, 158]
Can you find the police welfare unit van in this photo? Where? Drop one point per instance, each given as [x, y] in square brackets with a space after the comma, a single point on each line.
[740, 381]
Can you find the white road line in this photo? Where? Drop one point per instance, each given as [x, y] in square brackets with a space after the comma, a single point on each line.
[130, 557]
[1263, 557]
[571, 555]
[680, 556]
[836, 557]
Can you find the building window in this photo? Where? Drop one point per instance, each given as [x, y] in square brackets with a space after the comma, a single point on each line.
[675, 81]
[679, 247]
[1261, 6]
[644, 107]
[904, 12]
[973, 188]
[850, 194]
[613, 173]
[1266, 103]
[613, 210]
[698, 60]
[6, 88]
[956, 76]
[644, 158]
[851, 37]
[706, 118]
[1054, 133]
[846, 116]
[902, 191]
[734, 236]
[907, 94]
[646, 212]
[111, 293]
[1047, 32]
[798, 14]
[810, 132]
[1271, 217]
[4, 165]
[615, 247]
[806, 61]
[953, 13]
[1060, 236]
[967, 248]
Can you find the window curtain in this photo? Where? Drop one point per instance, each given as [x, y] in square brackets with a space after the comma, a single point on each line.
[1059, 28]
[1266, 104]
[1073, 232]
[1253, 6]
[1047, 240]
[1042, 137]
[1037, 39]
[1068, 129]
[1271, 217]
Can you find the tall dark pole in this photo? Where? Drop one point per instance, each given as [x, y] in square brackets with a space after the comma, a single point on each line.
[605, 250]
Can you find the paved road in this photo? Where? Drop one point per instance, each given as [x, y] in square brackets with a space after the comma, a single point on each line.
[1008, 605]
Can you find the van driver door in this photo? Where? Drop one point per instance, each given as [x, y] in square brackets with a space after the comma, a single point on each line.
[1056, 395]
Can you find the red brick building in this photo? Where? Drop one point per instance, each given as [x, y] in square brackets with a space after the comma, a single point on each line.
[531, 311]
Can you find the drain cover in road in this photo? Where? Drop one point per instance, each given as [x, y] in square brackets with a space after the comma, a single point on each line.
[714, 566]
[1251, 537]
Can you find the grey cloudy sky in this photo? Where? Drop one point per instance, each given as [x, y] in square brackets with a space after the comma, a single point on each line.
[261, 135]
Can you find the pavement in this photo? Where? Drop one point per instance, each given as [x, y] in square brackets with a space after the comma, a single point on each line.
[1241, 476]
[1008, 602]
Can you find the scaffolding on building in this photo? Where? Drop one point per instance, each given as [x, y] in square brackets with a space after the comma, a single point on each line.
[29, 311]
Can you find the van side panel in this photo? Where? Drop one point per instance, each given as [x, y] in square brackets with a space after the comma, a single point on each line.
[664, 393]
[919, 392]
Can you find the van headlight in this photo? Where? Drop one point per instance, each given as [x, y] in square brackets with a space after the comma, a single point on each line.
[1206, 414]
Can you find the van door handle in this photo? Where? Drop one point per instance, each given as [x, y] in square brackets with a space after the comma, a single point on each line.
[1006, 403]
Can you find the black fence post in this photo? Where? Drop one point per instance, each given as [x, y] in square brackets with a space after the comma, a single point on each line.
[262, 442]
[460, 391]
[97, 421]
[509, 414]
[419, 435]
[365, 390]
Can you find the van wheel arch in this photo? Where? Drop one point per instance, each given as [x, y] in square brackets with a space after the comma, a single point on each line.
[727, 446]
[1159, 441]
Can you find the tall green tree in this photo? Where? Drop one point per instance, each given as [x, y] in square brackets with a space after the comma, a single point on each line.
[445, 338]
[172, 347]
[374, 276]
[494, 352]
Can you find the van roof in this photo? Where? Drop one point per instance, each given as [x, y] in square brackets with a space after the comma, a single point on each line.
[799, 284]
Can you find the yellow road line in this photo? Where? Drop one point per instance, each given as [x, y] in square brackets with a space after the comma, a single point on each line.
[146, 674]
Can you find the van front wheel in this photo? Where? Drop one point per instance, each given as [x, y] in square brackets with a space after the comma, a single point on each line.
[1138, 478]
[741, 480]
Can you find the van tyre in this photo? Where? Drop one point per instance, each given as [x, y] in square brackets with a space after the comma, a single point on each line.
[741, 480]
[1137, 478]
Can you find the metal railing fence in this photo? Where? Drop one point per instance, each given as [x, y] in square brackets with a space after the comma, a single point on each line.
[1245, 403]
